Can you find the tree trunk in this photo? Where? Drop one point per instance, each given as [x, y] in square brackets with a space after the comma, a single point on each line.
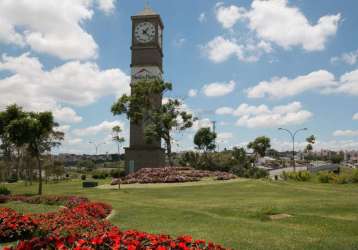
[169, 152]
[40, 175]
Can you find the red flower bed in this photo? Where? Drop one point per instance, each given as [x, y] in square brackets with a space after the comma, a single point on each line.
[115, 239]
[83, 227]
[173, 175]
[14, 226]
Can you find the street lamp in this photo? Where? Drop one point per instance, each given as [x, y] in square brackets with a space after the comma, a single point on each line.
[96, 145]
[293, 135]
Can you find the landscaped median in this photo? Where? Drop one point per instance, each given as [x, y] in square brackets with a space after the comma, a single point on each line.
[81, 224]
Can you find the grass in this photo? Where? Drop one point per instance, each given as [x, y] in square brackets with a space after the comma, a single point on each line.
[324, 216]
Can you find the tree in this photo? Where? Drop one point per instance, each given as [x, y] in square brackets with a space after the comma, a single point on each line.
[116, 130]
[38, 132]
[204, 139]
[11, 147]
[164, 120]
[159, 120]
[260, 145]
[310, 140]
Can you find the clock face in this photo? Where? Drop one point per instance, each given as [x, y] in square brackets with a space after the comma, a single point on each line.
[144, 32]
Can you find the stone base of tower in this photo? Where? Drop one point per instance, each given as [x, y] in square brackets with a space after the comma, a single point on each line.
[138, 157]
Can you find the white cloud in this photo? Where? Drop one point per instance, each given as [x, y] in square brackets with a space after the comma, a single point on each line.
[221, 49]
[179, 42]
[355, 117]
[228, 16]
[264, 117]
[224, 137]
[202, 123]
[219, 88]
[51, 26]
[349, 133]
[193, 93]
[284, 87]
[107, 6]
[202, 17]
[275, 21]
[348, 84]
[104, 127]
[224, 111]
[319, 145]
[350, 58]
[63, 128]
[66, 115]
[75, 83]
[75, 141]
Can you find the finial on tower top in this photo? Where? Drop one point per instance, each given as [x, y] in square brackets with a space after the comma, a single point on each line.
[146, 4]
[147, 10]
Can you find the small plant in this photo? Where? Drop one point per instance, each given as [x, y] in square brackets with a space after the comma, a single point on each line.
[296, 176]
[4, 191]
[325, 177]
[355, 176]
[265, 213]
[83, 177]
[343, 179]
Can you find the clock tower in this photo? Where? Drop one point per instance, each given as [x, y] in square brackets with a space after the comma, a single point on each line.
[146, 64]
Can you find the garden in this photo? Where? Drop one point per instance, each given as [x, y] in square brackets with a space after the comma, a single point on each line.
[234, 214]
[79, 224]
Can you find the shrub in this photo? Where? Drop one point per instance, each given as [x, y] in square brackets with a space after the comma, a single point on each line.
[100, 175]
[326, 177]
[342, 179]
[83, 177]
[117, 173]
[250, 172]
[355, 176]
[296, 176]
[89, 184]
[4, 191]
[12, 179]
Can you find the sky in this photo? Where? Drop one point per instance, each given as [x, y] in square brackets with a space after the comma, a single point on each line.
[250, 66]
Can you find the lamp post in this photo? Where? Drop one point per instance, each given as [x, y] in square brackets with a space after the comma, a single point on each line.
[96, 145]
[293, 135]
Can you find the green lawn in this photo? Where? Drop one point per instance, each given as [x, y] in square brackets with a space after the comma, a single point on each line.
[325, 216]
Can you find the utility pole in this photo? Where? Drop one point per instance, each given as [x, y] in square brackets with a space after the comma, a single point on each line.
[214, 130]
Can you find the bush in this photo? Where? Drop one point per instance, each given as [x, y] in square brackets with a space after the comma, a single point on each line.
[83, 177]
[12, 179]
[89, 184]
[343, 179]
[250, 172]
[326, 177]
[4, 191]
[117, 173]
[355, 176]
[100, 175]
[296, 176]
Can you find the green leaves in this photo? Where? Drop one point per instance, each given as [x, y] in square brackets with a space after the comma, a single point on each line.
[144, 105]
[260, 145]
[204, 139]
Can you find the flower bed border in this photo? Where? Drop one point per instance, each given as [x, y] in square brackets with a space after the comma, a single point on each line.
[82, 226]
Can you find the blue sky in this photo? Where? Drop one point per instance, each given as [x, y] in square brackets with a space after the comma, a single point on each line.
[252, 66]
